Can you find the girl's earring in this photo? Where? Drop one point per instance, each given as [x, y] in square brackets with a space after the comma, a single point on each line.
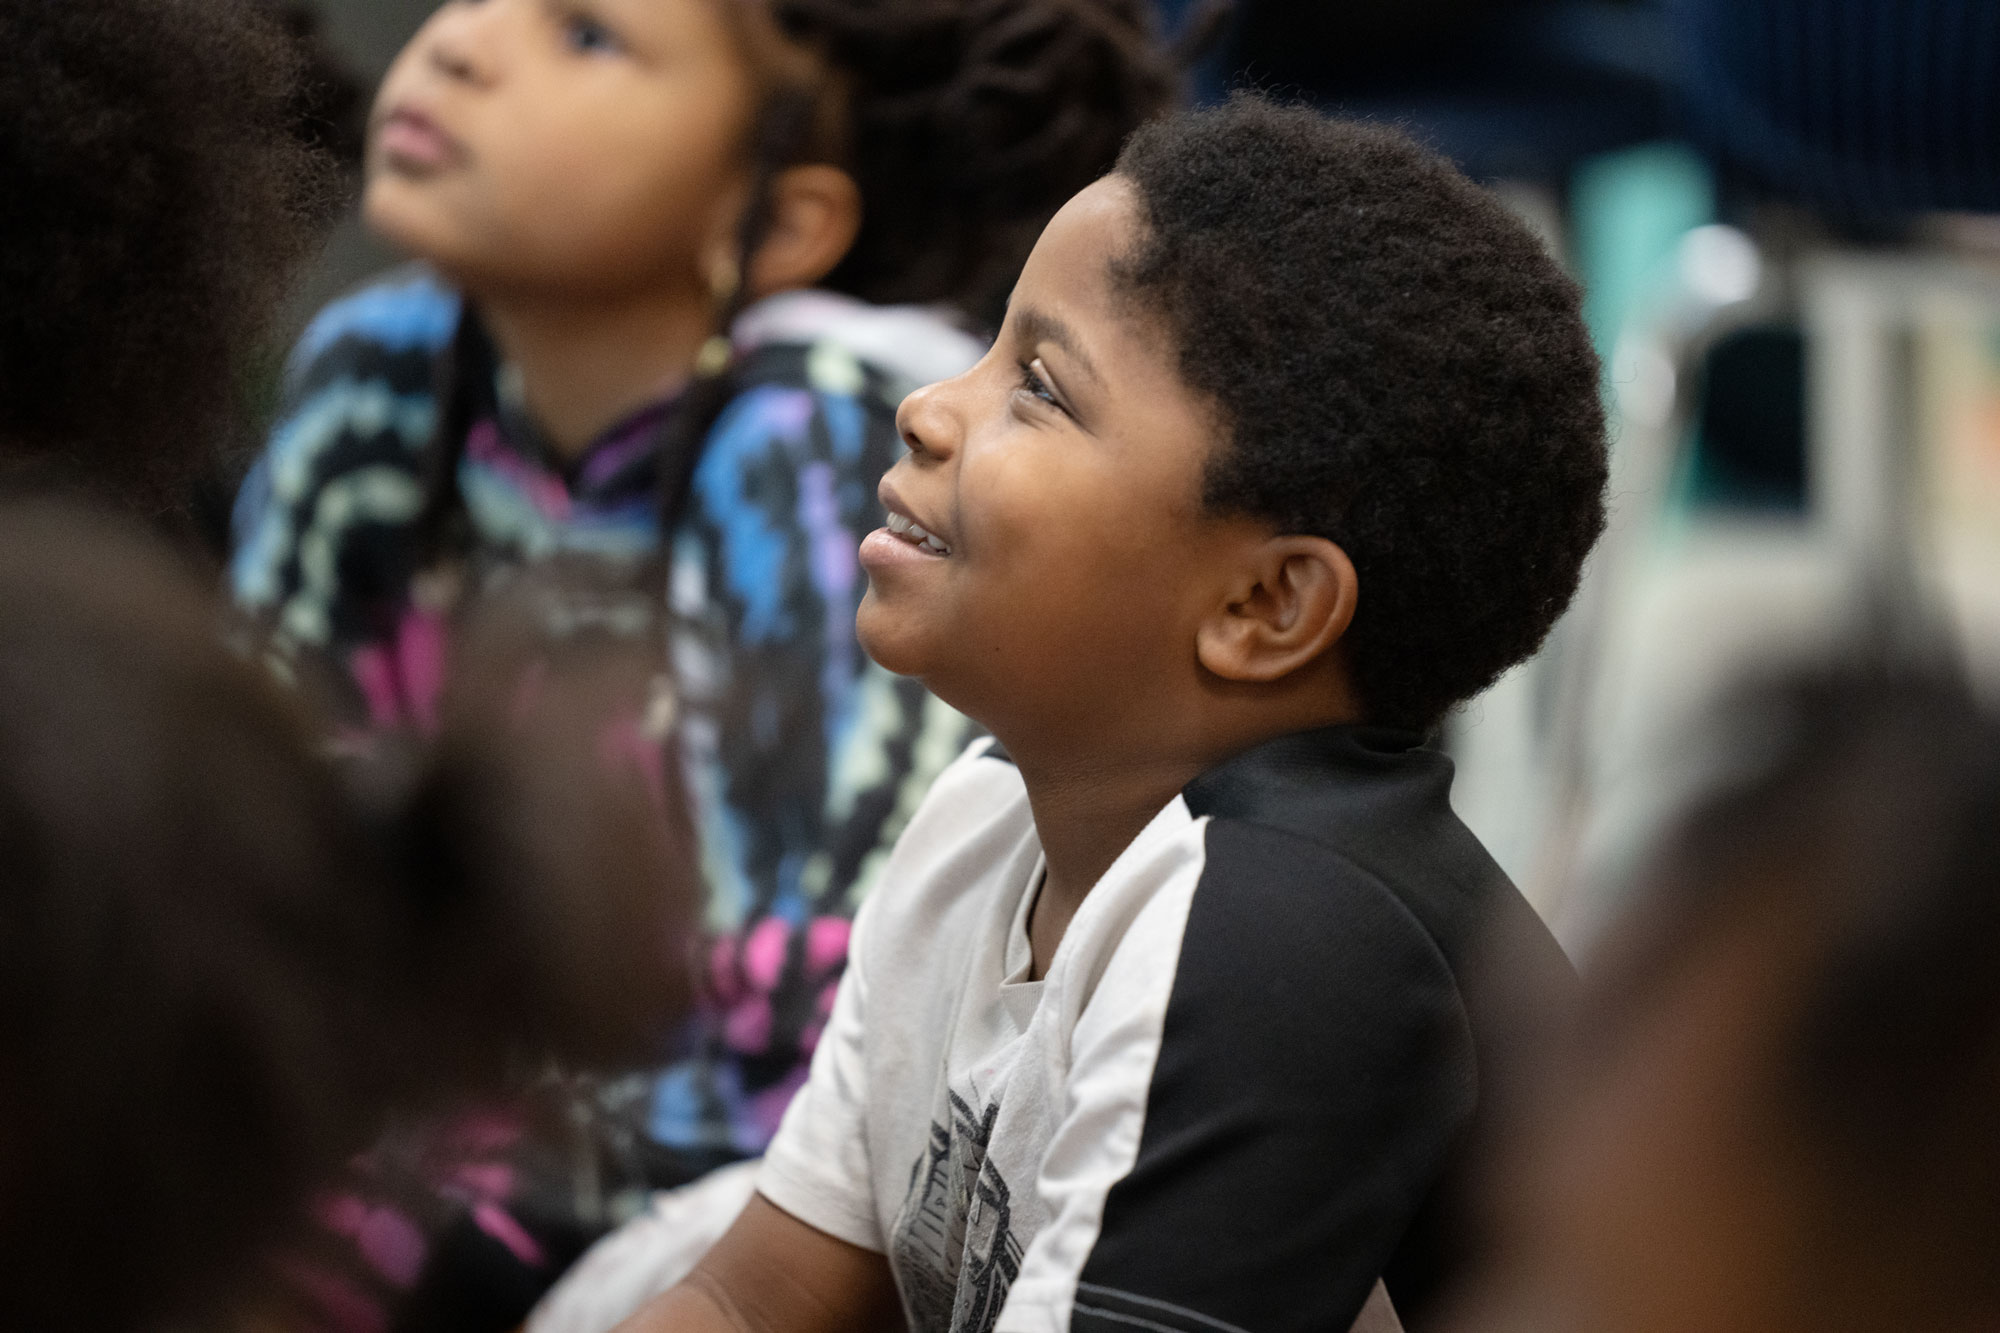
[725, 280]
[714, 357]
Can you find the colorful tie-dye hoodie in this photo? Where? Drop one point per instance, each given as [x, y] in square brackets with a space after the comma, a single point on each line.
[803, 757]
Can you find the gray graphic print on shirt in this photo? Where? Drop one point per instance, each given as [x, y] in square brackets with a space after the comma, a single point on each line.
[954, 1249]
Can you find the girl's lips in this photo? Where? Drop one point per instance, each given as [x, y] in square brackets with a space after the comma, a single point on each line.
[412, 140]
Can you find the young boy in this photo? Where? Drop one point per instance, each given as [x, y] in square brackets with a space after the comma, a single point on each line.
[1164, 1015]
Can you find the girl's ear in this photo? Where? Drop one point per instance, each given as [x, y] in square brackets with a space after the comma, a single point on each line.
[815, 216]
[1293, 601]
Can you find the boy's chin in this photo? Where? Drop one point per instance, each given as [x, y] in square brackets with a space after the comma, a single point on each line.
[891, 637]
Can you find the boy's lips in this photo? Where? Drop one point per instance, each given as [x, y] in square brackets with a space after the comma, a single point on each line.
[409, 138]
[915, 533]
[903, 535]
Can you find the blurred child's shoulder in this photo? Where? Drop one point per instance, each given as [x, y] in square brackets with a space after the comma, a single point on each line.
[358, 412]
[392, 327]
[817, 382]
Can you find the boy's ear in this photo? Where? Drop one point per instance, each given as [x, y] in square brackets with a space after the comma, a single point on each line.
[815, 216]
[1290, 604]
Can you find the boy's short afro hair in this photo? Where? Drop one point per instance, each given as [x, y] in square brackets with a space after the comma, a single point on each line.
[158, 194]
[1402, 369]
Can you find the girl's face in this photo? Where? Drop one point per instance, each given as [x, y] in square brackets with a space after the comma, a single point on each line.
[582, 147]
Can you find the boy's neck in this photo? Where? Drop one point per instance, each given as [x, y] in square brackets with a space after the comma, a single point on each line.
[1085, 816]
[587, 364]
[1092, 795]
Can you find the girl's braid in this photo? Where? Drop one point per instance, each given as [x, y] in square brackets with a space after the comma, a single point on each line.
[971, 122]
[784, 127]
[465, 393]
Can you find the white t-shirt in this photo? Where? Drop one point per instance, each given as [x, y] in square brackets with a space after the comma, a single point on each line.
[1122, 1145]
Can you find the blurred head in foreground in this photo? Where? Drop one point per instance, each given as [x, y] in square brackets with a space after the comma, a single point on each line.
[163, 179]
[1780, 1113]
[226, 961]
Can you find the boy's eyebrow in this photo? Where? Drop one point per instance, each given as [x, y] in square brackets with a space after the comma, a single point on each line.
[1038, 326]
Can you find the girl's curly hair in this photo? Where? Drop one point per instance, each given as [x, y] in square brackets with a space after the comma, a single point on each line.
[967, 124]
[158, 195]
[970, 122]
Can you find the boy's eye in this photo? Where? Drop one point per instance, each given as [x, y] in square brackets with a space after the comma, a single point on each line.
[1035, 386]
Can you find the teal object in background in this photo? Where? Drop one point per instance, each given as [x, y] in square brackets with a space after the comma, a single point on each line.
[1628, 211]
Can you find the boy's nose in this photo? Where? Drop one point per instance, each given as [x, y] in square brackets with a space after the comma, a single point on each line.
[926, 422]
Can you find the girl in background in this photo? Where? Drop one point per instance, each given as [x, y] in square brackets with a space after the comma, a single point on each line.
[681, 259]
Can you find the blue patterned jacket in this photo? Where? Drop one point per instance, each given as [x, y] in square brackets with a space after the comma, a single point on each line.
[803, 758]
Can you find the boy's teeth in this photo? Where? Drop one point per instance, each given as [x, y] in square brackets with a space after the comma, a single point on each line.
[912, 532]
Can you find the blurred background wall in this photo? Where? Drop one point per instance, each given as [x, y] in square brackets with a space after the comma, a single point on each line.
[363, 36]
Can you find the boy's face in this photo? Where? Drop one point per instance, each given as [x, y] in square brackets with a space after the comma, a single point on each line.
[575, 146]
[1063, 476]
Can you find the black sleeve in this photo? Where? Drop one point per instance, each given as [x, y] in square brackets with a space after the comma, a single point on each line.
[1315, 1070]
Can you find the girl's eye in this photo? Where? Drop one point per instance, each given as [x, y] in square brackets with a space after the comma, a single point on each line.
[589, 37]
[1035, 386]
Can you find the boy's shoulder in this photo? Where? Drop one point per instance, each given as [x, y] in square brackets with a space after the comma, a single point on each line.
[1314, 840]
[1323, 1022]
[1324, 816]
[970, 840]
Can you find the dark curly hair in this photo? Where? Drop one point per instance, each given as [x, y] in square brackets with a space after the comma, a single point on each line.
[158, 195]
[969, 122]
[329, 102]
[1402, 370]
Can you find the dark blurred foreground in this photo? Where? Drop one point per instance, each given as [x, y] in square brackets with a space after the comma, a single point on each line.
[1777, 1112]
[229, 960]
